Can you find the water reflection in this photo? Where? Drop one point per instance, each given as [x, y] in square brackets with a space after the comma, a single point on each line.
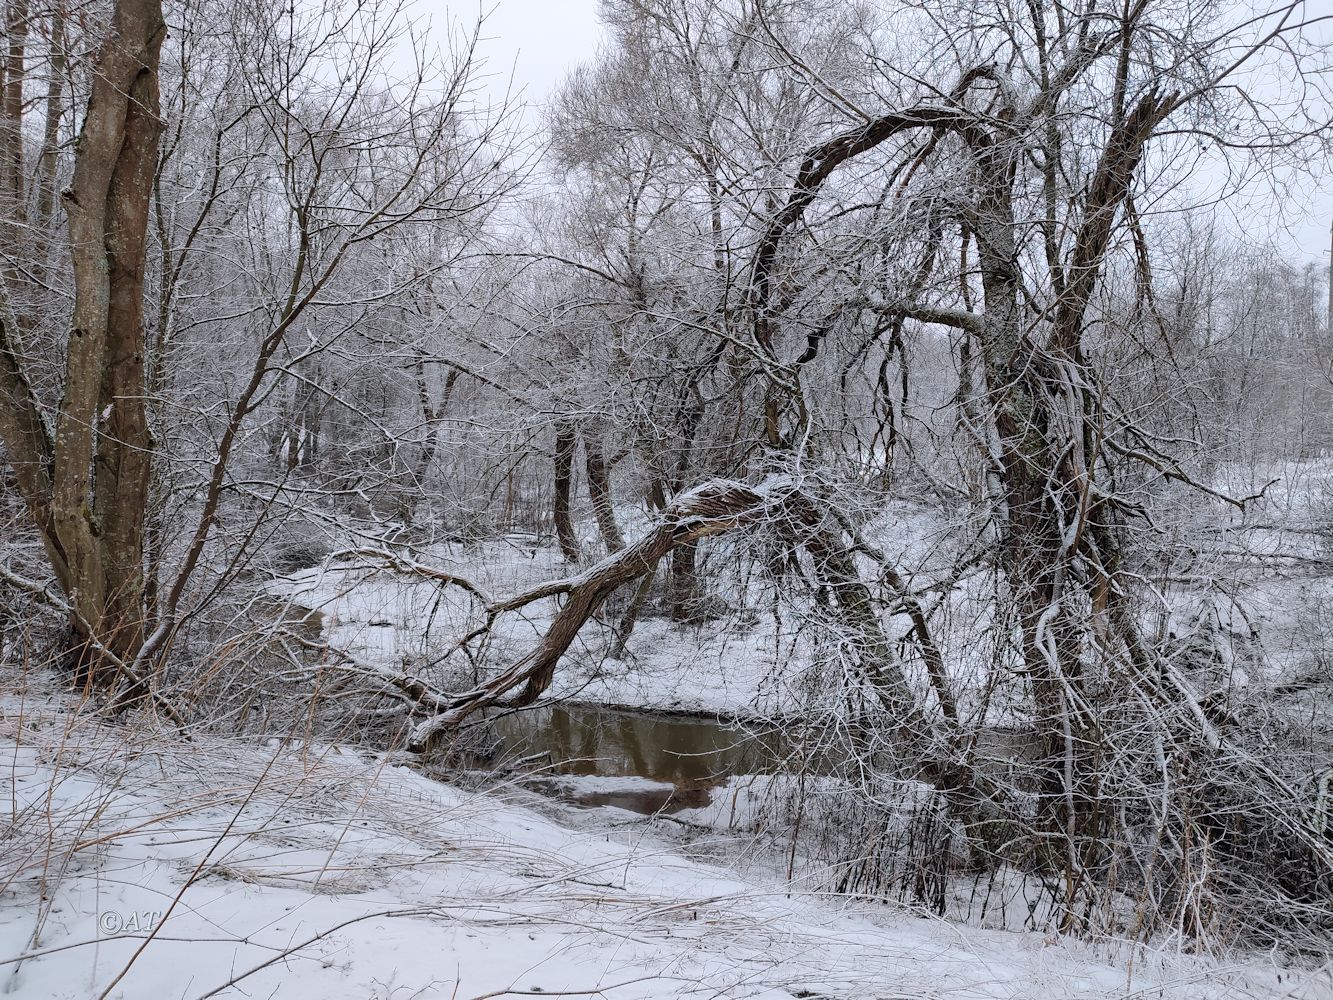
[684, 758]
[682, 750]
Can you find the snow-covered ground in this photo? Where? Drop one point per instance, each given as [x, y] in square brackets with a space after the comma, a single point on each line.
[580, 900]
[138, 865]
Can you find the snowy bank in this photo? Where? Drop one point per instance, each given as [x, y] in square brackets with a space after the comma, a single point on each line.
[139, 865]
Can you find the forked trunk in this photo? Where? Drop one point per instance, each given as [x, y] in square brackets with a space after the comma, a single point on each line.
[103, 448]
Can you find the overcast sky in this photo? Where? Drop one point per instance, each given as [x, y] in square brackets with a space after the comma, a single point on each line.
[539, 41]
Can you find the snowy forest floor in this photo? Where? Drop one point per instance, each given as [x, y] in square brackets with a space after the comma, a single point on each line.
[137, 864]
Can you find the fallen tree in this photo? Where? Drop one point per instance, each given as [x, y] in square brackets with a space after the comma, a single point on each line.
[712, 508]
[926, 745]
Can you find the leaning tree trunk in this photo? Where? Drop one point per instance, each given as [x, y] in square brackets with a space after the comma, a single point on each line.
[928, 748]
[709, 509]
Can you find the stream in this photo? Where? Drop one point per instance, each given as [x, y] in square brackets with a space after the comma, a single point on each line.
[661, 762]
[654, 761]
[676, 759]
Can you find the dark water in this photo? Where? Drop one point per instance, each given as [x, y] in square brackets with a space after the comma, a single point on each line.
[682, 750]
[684, 757]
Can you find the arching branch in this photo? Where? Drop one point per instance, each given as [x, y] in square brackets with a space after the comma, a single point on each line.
[816, 168]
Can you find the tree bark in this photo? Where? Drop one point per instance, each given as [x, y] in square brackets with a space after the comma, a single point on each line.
[599, 489]
[11, 131]
[631, 616]
[684, 586]
[55, 107]
[432, 417]
[102, 448]
[565, 442]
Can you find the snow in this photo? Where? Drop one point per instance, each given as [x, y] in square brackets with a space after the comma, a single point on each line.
[627, 783]
[309, 871]
[755, 935]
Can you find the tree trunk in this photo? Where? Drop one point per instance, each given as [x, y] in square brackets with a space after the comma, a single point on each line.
[55, 106]
[102, 448]
[599, 489]
[432, 419]
[565, 442]
[11, 132]
[631, 616]
[684, 591]
[684, 602]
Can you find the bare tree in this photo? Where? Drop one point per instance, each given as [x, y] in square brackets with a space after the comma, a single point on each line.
[86, 483]
[314, 154]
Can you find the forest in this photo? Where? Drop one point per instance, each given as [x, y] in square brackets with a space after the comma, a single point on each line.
[835, 499]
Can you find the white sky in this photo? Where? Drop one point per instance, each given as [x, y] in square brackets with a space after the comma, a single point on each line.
[539, 41]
